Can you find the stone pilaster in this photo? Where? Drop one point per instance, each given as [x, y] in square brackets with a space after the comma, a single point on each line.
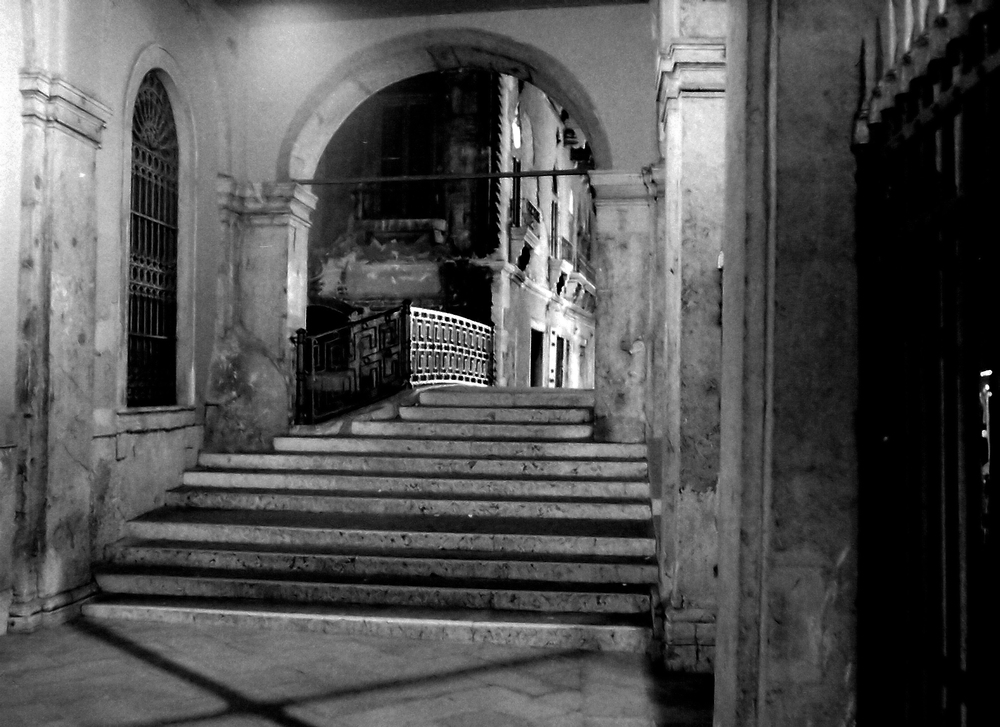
[626, 221]
[56, 310]
[251, 388]
[686, 313]
[8, 487]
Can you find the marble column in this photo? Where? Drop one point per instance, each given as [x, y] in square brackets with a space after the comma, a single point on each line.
[626, 221]
[55, 361]
[251, 387]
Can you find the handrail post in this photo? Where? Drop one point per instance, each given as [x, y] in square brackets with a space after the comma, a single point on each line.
[491, 375]
[405, 337]
[301, 392]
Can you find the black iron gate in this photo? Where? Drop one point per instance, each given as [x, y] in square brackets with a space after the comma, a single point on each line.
[928, 230]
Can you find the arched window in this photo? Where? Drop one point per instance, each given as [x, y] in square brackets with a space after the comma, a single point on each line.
[152, 259]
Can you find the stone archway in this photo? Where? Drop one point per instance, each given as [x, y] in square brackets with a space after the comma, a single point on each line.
[276, 218]
[380, 65]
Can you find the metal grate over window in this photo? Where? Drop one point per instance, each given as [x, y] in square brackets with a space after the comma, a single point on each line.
[152, 262]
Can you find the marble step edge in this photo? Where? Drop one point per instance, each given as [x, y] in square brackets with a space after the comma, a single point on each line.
[401, 539]
[497, 415]
[594, 489]
[514, 449]
[413, 524]
[456, 564]
[486, 431]
[534, 397]
[521, 629]
[371, 594]
[319, 501]
[411, 465]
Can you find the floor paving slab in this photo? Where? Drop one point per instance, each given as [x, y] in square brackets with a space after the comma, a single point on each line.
[137, 674]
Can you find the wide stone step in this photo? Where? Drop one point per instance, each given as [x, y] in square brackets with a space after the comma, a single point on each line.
[419, 485]
[414, 563]
[434, 593]
[414, 465]
[345, 502]
[460, 448]
[472, 430]
[532, 415]
[584, 537]
[605, 632]
[507, 398]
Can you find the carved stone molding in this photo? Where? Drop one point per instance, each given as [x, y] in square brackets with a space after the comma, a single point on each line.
[692, 67]
[55, 102]
[265, 203]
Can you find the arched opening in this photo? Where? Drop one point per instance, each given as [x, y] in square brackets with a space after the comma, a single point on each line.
[411, 208]
[462, 187]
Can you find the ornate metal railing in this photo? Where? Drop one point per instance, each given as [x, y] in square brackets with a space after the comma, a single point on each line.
[376, 356]
[445, 348]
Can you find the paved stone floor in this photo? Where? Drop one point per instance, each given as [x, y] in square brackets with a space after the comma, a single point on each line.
[158, 675]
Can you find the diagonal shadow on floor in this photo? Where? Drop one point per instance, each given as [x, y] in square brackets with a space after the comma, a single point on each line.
[239, 704]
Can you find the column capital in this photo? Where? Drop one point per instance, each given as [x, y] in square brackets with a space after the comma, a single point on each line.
[623, 188]
[265, 202]
[57, 103]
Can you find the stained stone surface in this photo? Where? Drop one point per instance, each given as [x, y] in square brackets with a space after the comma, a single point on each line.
[522, 447]
[414, 484]
[486, 414]
[635, 469]
[129, 673]
[373, 561]
[334, 501]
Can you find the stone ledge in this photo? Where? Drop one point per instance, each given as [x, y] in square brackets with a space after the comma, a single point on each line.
[56, 102]
[108, 423]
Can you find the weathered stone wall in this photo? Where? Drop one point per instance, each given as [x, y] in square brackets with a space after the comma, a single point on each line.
[251, 388]
[626, 224]
[8, 488]
[11, 55]
[135, 462]
[686, 325]
[789, 484]
[78, 452]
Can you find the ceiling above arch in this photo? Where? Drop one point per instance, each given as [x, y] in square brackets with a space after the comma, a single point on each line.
[355, 9]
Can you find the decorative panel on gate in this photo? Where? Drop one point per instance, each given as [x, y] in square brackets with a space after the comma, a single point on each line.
[445, 348]
[376, 356]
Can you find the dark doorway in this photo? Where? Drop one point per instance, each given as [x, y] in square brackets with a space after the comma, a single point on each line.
[537, 344]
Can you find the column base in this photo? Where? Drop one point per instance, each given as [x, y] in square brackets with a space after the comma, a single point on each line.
[28, 616]
[620, 428]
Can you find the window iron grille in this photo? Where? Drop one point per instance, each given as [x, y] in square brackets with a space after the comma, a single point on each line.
[152, 261]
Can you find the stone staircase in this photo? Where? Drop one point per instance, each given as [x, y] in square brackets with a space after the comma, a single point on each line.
[475, 514]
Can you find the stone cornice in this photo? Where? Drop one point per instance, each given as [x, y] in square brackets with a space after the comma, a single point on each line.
[55, 102]
[691, 67]
[627, 187]
[261, 201]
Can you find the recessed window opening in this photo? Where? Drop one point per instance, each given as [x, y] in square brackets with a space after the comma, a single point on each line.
[152, 260]
[537, 357]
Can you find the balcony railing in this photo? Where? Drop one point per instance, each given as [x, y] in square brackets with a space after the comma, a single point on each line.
[374, 357]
